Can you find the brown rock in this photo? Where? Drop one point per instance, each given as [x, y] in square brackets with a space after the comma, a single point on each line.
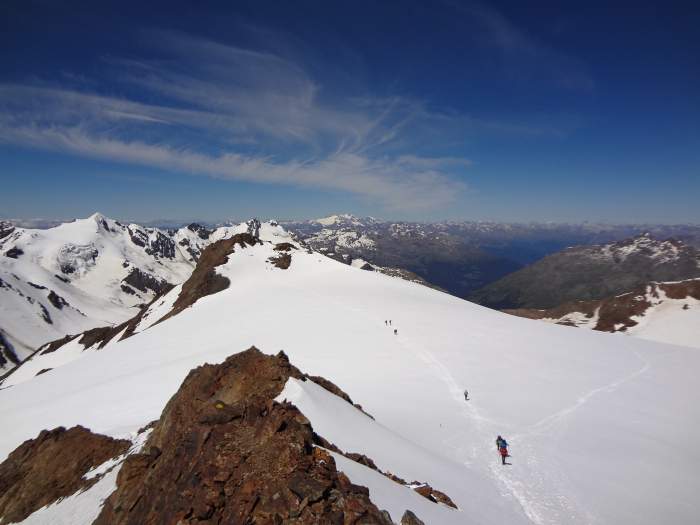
[51, 466]
[224, 451]
[435, 496]
[409, 518]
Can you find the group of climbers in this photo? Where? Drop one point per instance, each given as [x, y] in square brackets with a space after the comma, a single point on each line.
[388, 323]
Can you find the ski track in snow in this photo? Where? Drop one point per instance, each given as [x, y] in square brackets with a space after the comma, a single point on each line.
[542, 492]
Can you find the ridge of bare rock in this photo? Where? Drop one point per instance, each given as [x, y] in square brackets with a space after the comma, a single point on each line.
[224, 451]
[51, 466]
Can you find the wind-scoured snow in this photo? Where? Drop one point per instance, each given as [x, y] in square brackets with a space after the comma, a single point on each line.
[601, 427]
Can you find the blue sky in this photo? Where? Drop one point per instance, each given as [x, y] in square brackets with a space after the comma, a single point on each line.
[511, 111]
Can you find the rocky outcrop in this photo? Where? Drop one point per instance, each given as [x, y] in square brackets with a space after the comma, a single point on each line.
[204, 279]
[6, 228]
[144, 282]
[281, 261]
[14, 253]
[51, 466]
[202, 232]
[617, 313]
[7, 353]
[434, 495]
[409, 518]
[56, 300]
[224, 451]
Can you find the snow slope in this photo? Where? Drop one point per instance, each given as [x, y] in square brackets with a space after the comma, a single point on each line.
[600, 426]
[102, 269]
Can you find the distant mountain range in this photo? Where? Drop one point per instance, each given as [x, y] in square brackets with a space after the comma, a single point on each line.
[592, 272]
[461, 257]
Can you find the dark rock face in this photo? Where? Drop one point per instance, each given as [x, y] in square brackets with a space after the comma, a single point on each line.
[143, 281]
[435, 496]
[7, 352]
[587, 273]
[282, 261]
[45, 314]
[138, 237]
[204, 279]
[224, 452]
[202, 232]
[14, 253]
[163, 246]
[409, 518]
[56, 300]
[284, 247]
[6, 228]
[51, 466]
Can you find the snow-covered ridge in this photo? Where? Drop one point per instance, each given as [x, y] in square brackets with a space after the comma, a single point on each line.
[88, 273]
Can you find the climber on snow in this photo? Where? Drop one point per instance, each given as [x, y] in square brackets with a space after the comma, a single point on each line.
[502, 446]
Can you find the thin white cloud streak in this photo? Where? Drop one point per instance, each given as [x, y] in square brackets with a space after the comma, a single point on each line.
[408, 183]
[239, 114]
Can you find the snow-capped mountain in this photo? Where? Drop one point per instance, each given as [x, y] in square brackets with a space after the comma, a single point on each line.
[592, 272]
[461, 257]
[666, 312]
[598, 424]
[84, 274]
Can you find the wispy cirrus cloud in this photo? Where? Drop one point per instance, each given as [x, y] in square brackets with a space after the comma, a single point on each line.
[240, 114]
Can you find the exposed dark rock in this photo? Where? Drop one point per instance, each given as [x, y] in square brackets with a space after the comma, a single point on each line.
[55, 345]
[435, 496]
[204, 279]
[202, 232]
[37, 286]
[282, 261]
[224, 451]
[143, 281]
[138, 237]
[409, 518]
[43, 371]
[44, 313]
[14, 252]
[284, 247]
[56, 300]
[7, 352]
[51, 466]
[61, 278]
[163, 246]
[6, 228]
[127, 289]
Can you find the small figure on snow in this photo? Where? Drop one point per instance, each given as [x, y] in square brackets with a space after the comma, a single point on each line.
[386, 323]
[502, 446]
[395, 331]
[389, 322]
[466, 395]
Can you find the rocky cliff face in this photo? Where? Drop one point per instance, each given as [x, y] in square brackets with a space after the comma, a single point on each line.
[224, 452]
[50, 467]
